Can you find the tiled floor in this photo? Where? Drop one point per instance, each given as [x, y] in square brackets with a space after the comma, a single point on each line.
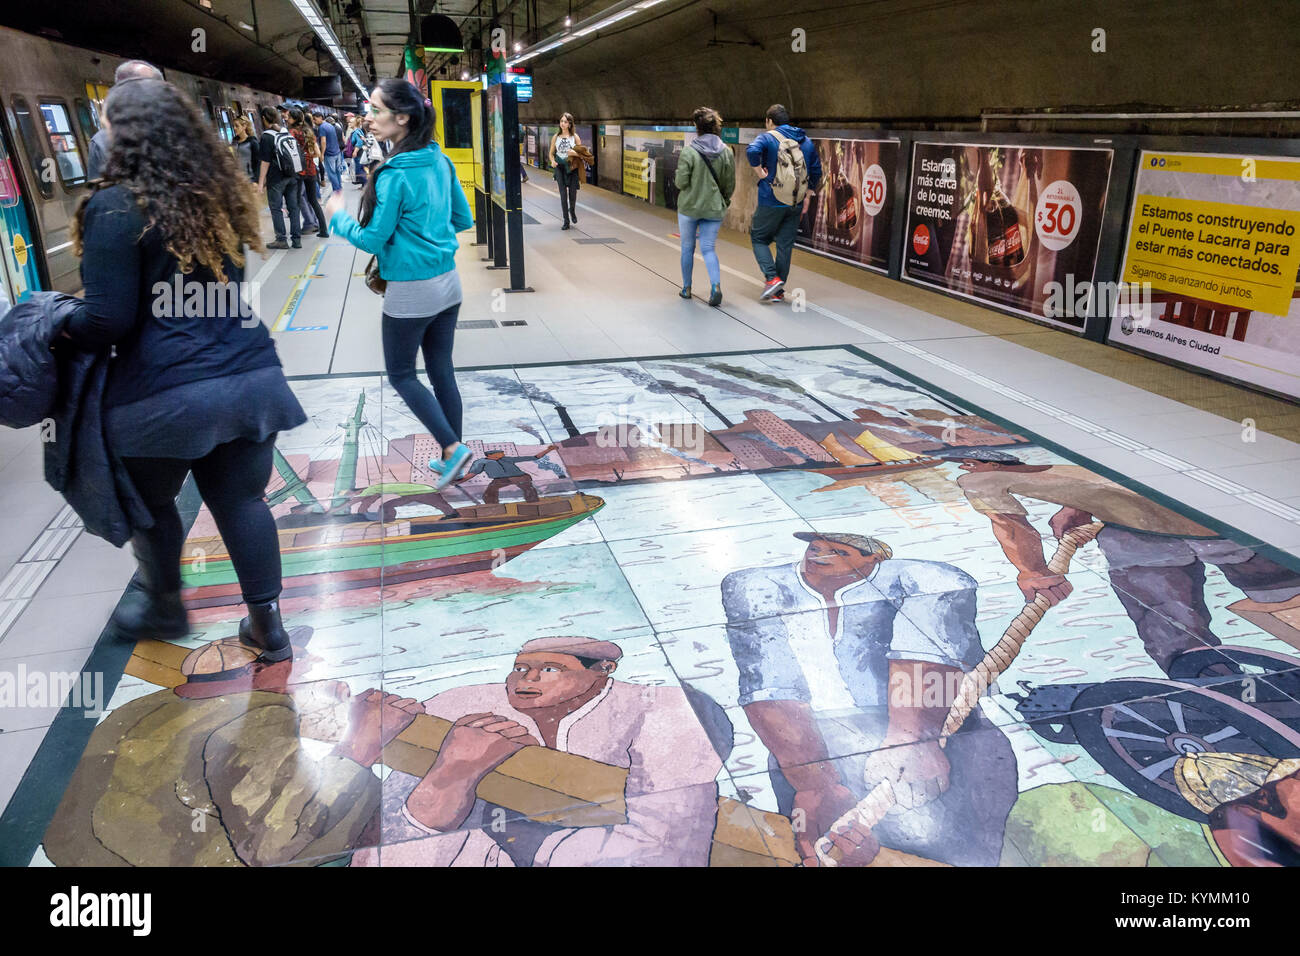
[683, 527]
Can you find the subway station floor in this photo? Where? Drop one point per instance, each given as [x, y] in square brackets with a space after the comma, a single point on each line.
[730, 662]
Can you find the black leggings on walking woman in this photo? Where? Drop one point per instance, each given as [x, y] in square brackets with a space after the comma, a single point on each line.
[440, 410]
[232, 481]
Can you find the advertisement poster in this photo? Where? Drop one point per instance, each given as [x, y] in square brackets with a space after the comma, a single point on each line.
[649, 169]
[530, 145]
[1007, 225]
[1215, 238]
[851, 216]
[498, 133]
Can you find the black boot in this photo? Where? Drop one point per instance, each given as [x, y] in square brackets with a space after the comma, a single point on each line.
[144, 614]
[147, 610]
[573, 211]
[263, 630]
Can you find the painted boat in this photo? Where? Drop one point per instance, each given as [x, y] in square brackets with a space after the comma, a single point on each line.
[338, 555]
[326, 547]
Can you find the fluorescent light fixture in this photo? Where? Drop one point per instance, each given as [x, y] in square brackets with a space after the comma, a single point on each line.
[245, 26]
[327, 37]
[613, 18]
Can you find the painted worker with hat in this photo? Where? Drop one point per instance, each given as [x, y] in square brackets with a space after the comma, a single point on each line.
[1156, 557]
[561, 694]
[849, 660]
[504, 470]
[213, 772]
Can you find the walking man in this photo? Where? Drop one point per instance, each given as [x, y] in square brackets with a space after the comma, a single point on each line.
[789, 172]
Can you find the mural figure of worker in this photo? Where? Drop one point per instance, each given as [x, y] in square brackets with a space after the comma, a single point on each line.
[504, 470]
[1156, 557]
[213, 772]
[561, 695]
[849, 660]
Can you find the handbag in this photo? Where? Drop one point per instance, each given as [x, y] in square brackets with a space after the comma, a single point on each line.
[374, 282]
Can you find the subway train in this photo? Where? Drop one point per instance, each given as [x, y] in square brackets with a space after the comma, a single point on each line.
[53, 96]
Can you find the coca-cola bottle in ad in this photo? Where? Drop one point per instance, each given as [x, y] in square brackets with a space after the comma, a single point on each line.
[1006, 248]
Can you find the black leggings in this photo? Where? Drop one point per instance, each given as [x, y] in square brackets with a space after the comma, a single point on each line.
[568, 183]
[439, 410]
[232, 481]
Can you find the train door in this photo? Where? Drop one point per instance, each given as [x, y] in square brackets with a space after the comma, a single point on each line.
[454, 128]
[18, 260]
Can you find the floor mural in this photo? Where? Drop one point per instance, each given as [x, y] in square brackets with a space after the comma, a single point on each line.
[773, 609]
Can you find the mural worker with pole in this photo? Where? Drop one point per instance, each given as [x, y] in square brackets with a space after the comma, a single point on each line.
[849, 659]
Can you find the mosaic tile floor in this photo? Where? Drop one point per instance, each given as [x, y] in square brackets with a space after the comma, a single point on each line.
[712, 610]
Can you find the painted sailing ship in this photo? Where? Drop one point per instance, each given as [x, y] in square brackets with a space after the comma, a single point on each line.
[327, 547]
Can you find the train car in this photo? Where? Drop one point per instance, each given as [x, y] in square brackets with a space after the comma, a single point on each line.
[53, 96]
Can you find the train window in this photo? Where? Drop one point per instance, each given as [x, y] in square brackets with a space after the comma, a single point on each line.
[457, 127]
[63, 142]
[86, 116]
[32, 142]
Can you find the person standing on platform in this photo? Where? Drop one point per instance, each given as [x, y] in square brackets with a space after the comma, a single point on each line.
[566, 178]
[186, 393]
[411, 210]
[706, 178]
[130, 70]
[789, 172]
[279, 183]
[331, 149]
[300, 126]
[245, 148]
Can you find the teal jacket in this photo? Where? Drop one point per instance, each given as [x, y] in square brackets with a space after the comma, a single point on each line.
[419, 208]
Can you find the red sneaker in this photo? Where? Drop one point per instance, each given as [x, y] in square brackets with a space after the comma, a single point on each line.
[772, 287]
[779, 297]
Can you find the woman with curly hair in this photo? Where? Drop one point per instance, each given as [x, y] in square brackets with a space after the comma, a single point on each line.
[195, 385]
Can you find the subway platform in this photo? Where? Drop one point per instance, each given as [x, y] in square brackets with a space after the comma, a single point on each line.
[722, 527]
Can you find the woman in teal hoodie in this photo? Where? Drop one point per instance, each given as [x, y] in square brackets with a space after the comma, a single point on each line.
[411, 210]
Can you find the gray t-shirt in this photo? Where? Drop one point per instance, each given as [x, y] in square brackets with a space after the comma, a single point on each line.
[419, 298]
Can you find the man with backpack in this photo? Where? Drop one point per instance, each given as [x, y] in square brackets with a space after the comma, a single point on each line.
[789, 171]
[282, 164]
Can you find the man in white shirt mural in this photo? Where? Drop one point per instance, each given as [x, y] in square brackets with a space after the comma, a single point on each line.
[560, 695]
[849, 659]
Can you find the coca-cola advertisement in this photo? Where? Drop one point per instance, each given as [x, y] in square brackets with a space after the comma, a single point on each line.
[850, 217]
[1013, 226]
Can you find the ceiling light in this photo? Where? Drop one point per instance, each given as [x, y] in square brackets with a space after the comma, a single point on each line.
[244, 26]
[518, 46]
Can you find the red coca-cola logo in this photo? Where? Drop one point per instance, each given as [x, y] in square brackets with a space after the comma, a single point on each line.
[921, 239]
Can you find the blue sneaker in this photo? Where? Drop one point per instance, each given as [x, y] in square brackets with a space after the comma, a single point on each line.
[454, 467]
[435, 465]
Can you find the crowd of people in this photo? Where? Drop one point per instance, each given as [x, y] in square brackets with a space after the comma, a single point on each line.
[178, 400]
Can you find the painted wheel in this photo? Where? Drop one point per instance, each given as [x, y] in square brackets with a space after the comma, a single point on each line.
[1281, 670]
[1138, 729]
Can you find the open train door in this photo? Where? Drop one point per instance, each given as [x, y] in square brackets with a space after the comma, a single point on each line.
[19, 273]
[454, 129]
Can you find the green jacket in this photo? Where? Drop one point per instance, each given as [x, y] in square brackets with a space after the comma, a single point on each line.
[419, 208]
[698, 195]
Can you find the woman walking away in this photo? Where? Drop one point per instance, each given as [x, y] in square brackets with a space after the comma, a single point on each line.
[562, 144]
[186, 393]
[411, 210]
[306, 137]
[706, 178]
